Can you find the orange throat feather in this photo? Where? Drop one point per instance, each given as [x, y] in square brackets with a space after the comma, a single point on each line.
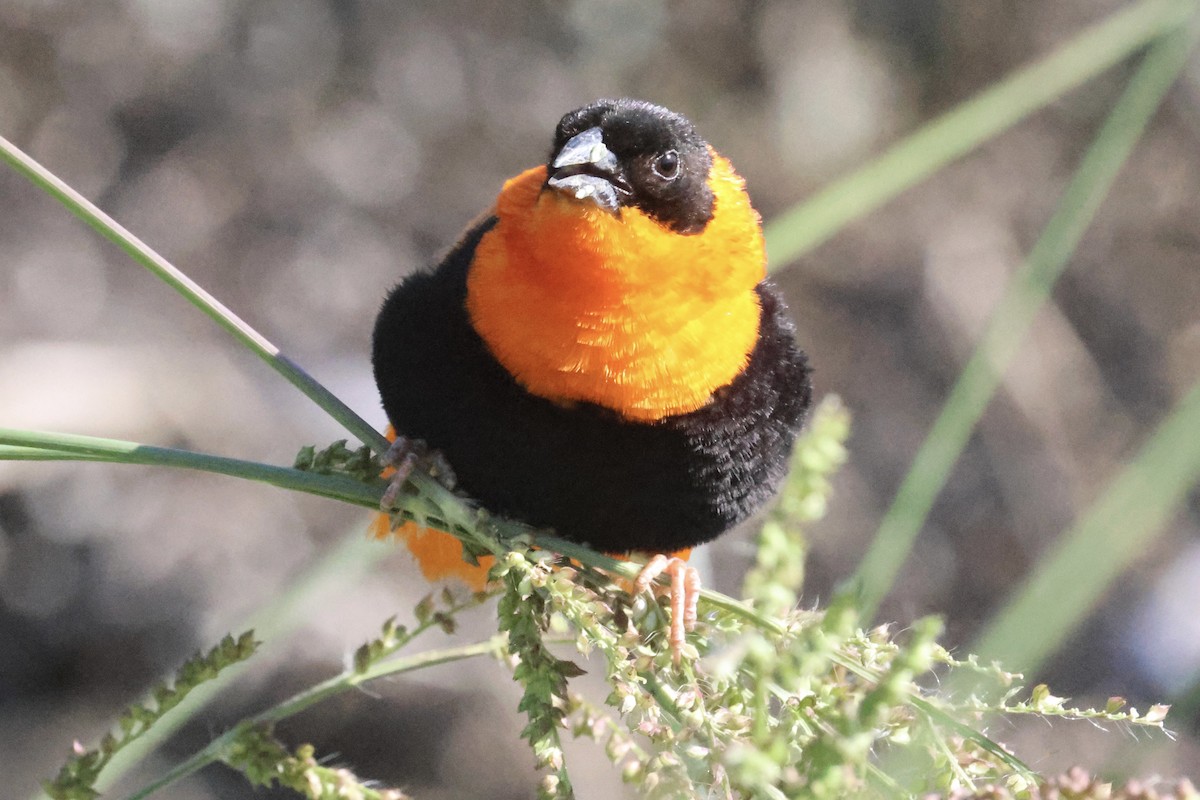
[582, 305]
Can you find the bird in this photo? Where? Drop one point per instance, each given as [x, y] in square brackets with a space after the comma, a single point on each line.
[601, 353]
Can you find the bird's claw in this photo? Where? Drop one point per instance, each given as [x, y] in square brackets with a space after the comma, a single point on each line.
[685, 595]
[404, 456]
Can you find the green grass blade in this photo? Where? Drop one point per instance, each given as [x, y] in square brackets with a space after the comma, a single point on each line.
[450, 504]
[17, 453]
[142, 253]
[955, 133]
[1118, 528]
[45, 446]
[1006, 330]
[24, 445]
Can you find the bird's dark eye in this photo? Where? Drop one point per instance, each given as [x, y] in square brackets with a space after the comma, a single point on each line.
[666, 166]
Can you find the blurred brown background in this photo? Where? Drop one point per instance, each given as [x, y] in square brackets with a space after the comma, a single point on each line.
[297, 157]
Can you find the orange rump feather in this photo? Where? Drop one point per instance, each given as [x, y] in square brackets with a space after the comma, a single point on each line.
[437, 553]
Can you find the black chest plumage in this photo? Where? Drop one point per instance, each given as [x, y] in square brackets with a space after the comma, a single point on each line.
[581, 469]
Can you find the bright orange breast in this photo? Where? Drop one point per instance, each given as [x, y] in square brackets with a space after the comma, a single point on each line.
[582, 305]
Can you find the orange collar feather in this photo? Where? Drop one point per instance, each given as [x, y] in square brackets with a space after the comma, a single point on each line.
[582, 305]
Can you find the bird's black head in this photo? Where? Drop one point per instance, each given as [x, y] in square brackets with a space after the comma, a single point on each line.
[630, 153]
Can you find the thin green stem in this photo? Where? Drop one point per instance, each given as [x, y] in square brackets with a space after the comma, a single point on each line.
[883, 782]
[948, 756]
[61, 446]
[23, 445]
[215, 749]
[433, 500]
[142, 253]
[969, 733]
[1096, 49]
[1007, 327]
[14, 453]
[1087, 558]
[930, 710]
[656, 690]
[348, 680]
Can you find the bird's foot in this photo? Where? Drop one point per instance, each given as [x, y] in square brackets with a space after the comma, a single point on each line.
[685, 595]
[406, 455]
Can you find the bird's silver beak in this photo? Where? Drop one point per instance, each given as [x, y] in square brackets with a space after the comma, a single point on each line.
[586, 169]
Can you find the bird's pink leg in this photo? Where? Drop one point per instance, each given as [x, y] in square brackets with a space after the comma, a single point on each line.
[685, 594]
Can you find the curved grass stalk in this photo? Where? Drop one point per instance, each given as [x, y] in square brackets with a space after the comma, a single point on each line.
[45, 446]
[1085, 560]
[68, 447]
[957, 132]
[349, 679]
[143, 254]
[1006, 329]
